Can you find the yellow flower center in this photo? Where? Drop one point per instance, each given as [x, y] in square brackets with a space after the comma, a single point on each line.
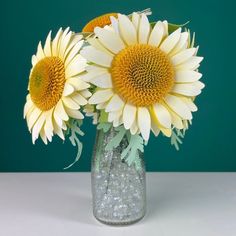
[100, 21]
[47, 82]
[142, 74]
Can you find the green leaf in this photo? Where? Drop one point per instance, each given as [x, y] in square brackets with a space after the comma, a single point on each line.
[74, 131]
[176, 138]
[104, 126]
[131, 152]
[103, 117]
[115, 141]
[171, 27]
[152, 24]
[174, 27]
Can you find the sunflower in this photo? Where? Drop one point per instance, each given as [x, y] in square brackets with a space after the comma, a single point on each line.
[145, 78]
[106, 19]
[56, 90]
[101, 21]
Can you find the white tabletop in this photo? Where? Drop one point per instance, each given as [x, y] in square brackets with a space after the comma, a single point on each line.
[59, 204]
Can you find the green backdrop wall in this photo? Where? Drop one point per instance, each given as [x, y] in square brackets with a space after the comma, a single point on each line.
[208, 145]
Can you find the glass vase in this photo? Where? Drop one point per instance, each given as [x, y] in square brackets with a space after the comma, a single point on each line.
[118, 190]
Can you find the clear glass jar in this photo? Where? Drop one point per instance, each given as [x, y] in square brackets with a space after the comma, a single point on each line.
[119, 190]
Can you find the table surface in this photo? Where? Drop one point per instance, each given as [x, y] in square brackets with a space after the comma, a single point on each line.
[59, 204]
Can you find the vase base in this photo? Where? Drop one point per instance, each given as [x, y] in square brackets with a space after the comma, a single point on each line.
[119, 224]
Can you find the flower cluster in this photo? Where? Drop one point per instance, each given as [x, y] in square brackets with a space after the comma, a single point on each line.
[129, 74]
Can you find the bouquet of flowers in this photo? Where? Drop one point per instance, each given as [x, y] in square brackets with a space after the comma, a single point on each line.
[131, 75]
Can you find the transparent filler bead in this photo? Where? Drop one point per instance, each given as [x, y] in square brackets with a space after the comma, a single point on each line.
[119, 190]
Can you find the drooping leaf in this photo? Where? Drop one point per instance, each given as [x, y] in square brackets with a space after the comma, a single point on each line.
[74, 131]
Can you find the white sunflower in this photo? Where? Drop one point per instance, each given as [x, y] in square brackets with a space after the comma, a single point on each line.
[146, 79]
[56, 90]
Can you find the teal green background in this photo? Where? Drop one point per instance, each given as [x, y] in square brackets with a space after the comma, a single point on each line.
[208, 145]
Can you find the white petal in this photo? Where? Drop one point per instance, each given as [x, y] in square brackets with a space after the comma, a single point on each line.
[79, 99]
[129, 115]
[74, 51]
[78, 83]
[61, 49]
[178, 106]
[101, 106]
[117, 122]
[48, 127]
[43, 135]
[68, 89]
[40, 53]
[165, 24]
[75, 38]
[134, 128]
[114, 23]
[85, 93]
[127, 30]
[170, 42]
[109, 28]
[58, 130]
[183, 56]
[64, 44]
[70, 103]
[155, 126]
[199, 85]
[102, 81]
[27, 106]
[91, 68]
[144, 30]
[157, 34]
[95, 42]
[110, 40]
[33, 117]
[144, 122]
[135, 20]
[191, 64]
[47, 46]
[186, 124]
[55, 42]
[96, 56]
[74, 114]
[34, 60]
[76, 66]
[162, 115]
[181, 45]
[189, 103]
[186, 89]
[57, 119]
[29, 112]
[114, 115]
[116, 103]
[176, 120]
[37, 127]
[92, 73]
[187, 76]
[166, 132]
[100, 96]
[60, 111]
